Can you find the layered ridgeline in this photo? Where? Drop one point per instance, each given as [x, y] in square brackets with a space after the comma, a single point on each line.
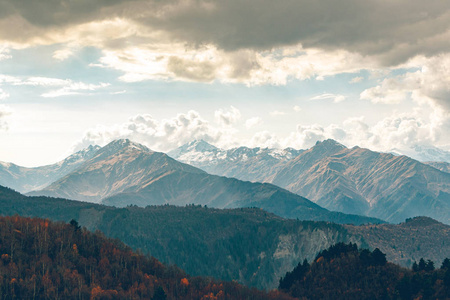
[45, 260]
[124, 173]
[249, 245]
[356, 181]
[24, 179]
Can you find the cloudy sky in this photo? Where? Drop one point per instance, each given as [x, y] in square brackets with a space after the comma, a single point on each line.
[373, 73]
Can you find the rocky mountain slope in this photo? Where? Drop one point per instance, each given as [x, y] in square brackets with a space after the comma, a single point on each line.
[251, 164]
[356, 181]
[442, 166]
[25, 179]
[249, 245]
[124, 173]
[114, 168]
[369, 183]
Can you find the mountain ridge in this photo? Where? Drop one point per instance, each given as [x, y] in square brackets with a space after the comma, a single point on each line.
[124, 173]
[26, 179]
[356, 181]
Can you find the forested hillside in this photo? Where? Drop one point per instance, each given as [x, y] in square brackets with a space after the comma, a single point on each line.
[40, 259]
[344, 272]
[249, 245]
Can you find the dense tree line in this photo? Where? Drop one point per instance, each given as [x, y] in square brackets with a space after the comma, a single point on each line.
[44, 260]
[345, 272]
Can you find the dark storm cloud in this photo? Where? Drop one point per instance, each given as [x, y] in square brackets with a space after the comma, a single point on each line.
[393, 30]
[46, 13]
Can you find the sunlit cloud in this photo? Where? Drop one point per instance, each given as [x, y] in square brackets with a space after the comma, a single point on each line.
[3, 94]
[74, 88]
[253, 122]
[327, 96]
[356, 79]
[277, 113]
[65, 86]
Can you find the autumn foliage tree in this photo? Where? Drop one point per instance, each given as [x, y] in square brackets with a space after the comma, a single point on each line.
[44, 260]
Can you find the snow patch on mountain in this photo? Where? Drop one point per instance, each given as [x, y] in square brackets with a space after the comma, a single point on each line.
[424, 153]
[200, 153]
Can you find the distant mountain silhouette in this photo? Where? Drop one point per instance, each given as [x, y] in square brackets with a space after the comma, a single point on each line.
[25, 179]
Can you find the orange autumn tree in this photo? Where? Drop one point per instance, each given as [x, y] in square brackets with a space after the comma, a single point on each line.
[44, 260]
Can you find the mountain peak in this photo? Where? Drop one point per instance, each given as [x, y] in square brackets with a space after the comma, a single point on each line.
[201, 145]
[330, 142]
[195, 146]
[123, 145]
[328, 145]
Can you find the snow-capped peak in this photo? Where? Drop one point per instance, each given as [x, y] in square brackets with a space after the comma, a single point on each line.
[124, 144]
[200, 152]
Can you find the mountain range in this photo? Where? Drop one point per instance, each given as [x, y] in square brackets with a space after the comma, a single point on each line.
[25, 179]
[126, 173]
[258, 163]
[423, 153]
[355, 181]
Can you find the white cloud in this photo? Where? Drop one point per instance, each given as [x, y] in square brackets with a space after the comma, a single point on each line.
[356, 79]
[391, 91]
[327, 96]
[62, 54]
[276, 113]
[227, 117]
[160, 135]
[119, 92]
[264, 139]
[4, 53]
[297, 108]
[5, 111]
[430, 84]
[253, 122]
[67, 86]
[9, 79]
[43, 81]
[74, 88]
[399, 131]
[3, 94]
